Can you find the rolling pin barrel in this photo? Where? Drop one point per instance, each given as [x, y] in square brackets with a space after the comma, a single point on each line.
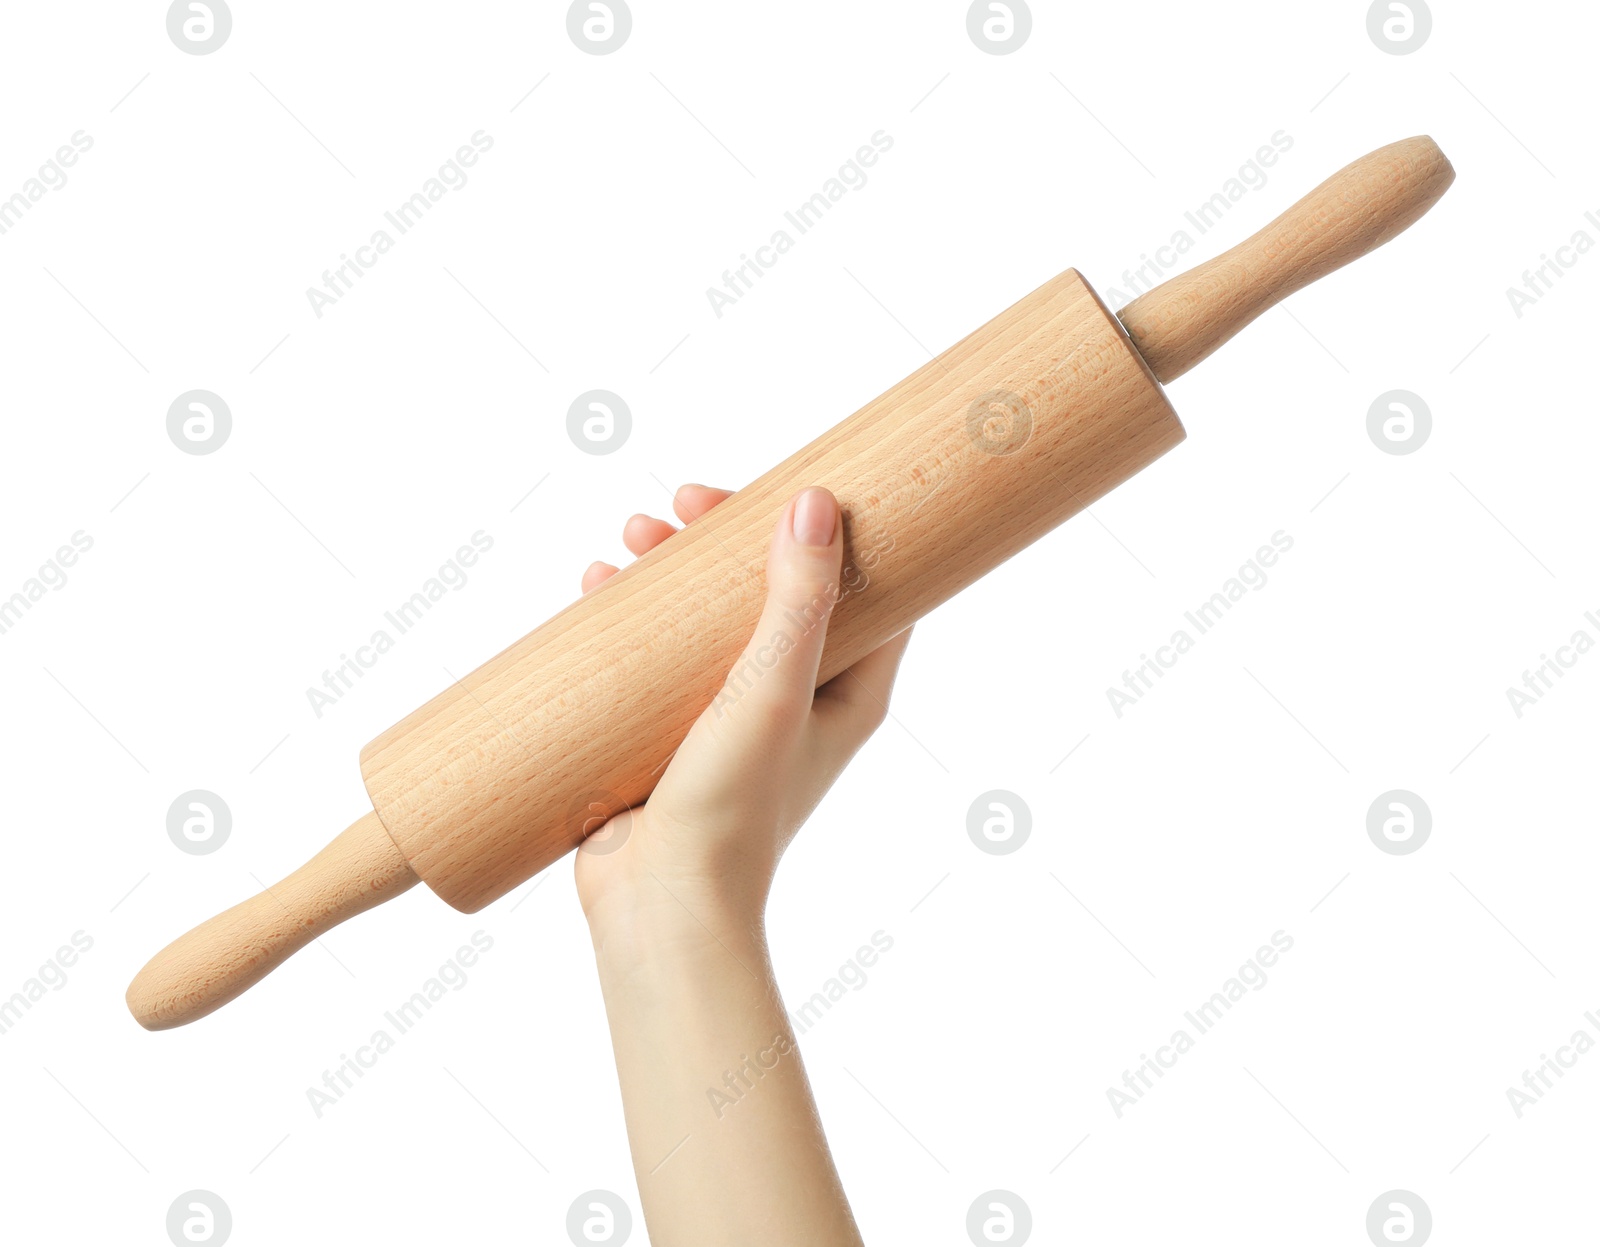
[973, 457]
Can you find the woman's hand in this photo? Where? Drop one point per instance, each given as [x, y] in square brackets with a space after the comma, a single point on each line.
[759, 759]
[727, 1145]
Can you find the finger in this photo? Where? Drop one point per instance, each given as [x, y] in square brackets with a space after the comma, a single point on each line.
[856, 701]
[777, 673]
[597, 574]
[643, 533]
[693, 501]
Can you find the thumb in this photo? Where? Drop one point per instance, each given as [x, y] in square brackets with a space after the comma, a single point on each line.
[777, 673]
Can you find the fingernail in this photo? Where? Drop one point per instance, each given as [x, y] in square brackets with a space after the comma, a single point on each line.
[814, 515]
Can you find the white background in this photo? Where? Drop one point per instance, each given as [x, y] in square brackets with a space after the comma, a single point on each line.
[1224, 807]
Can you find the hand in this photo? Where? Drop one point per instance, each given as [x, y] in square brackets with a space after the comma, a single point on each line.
[758, 761]
[675, 909]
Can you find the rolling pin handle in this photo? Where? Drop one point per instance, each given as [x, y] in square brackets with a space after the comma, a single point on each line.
[209, 966]
[1357, 210]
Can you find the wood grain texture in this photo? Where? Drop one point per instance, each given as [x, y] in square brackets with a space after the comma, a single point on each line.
[220, 958]
[507, 770]
[1358, 209]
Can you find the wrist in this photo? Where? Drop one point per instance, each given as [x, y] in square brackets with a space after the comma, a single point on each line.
[646, 917]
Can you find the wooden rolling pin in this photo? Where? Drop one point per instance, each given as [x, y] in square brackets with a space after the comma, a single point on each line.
[971, 458]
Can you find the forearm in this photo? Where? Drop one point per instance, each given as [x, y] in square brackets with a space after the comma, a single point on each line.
[727, 1146]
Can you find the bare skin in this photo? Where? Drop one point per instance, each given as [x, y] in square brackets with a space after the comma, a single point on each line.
[727, 1146]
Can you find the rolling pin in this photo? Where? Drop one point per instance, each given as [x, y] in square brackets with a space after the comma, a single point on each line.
[974, 456]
